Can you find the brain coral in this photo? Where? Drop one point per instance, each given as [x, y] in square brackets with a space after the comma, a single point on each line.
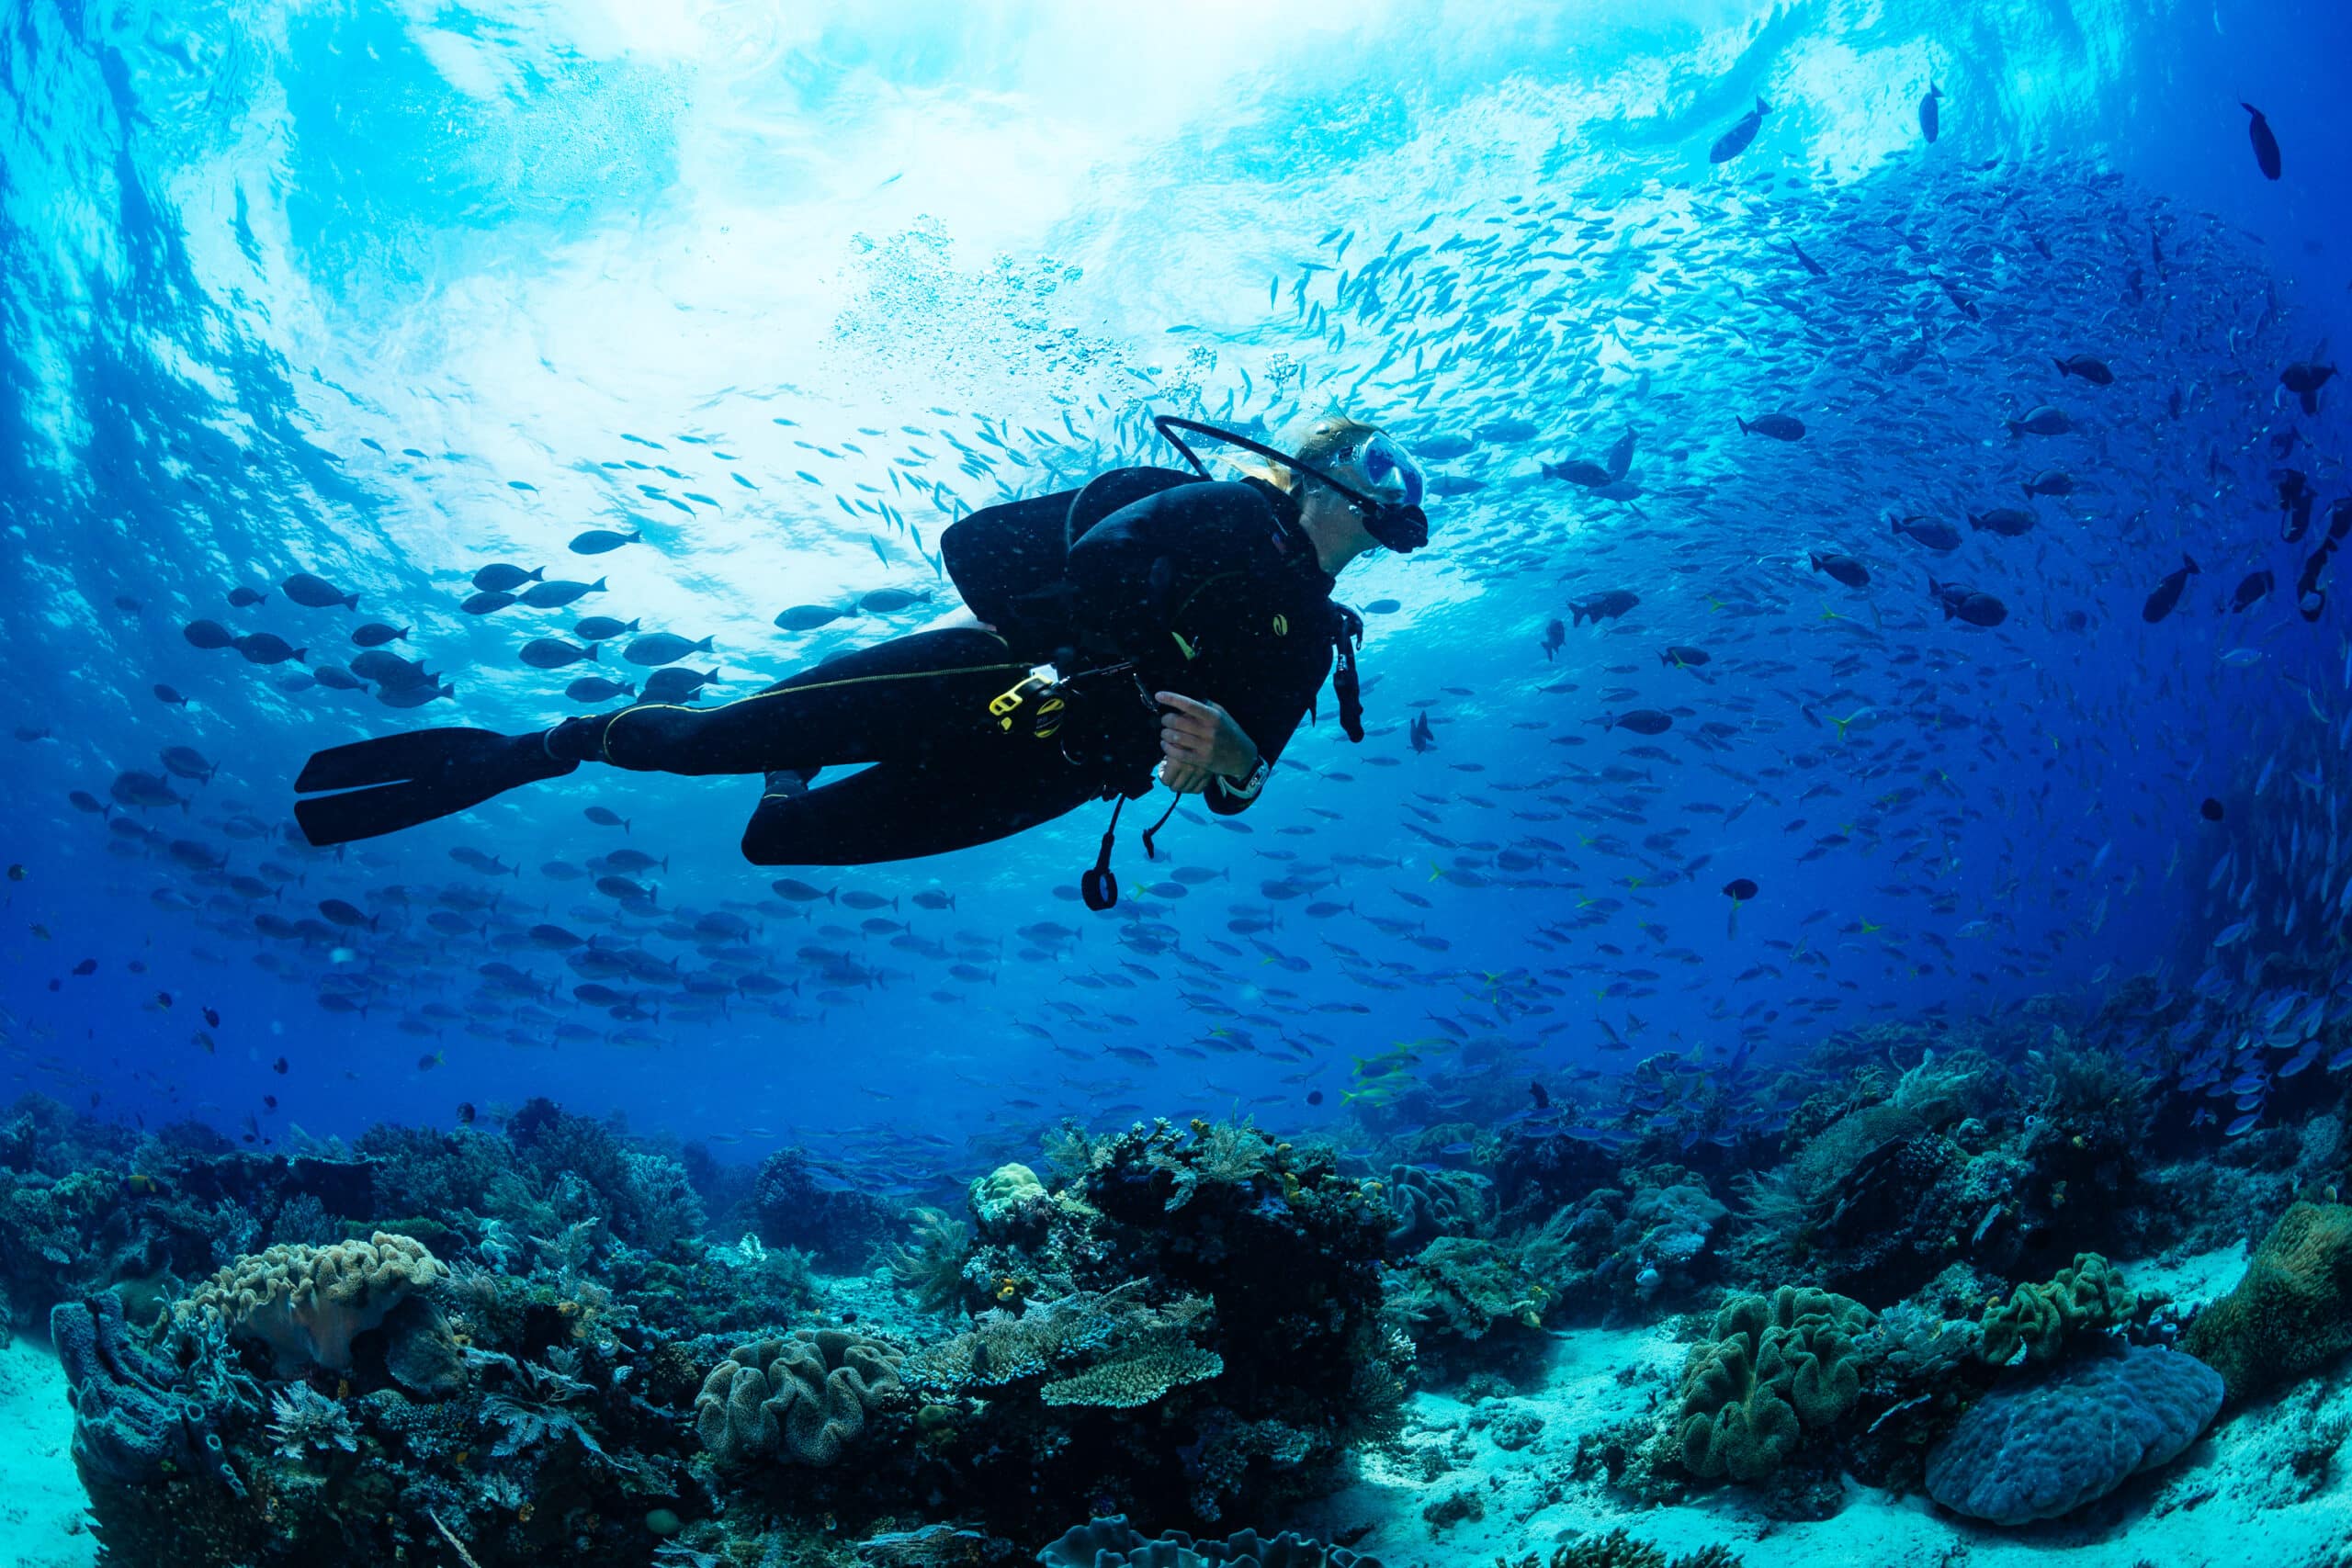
[1777, 1364]
[2038, 1318]
[2038, 1450]
[309, 1303]
[2291, 1313]
[800, 1398]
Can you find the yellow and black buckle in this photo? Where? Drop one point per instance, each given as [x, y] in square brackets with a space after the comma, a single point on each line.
[1041, 691]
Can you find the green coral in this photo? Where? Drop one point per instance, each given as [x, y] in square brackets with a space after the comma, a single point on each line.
[999, 1199]
[800, 1398]
[1618, 1549]
[1466, 1287]
[2037, 1319]
[1777, 1365]
[1136, 1377]
[2291, 1314]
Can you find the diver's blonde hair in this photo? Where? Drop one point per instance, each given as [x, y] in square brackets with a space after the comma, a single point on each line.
[1322, 439]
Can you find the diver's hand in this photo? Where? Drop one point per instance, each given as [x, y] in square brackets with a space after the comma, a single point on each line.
[1198, 740]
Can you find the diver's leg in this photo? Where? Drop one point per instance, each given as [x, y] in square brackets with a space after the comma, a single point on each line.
[899, 700]
[902, 811]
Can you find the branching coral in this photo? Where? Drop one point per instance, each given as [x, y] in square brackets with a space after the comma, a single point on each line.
[800, 1398]
[309, 1303]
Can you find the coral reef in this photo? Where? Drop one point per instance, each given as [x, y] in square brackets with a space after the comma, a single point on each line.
[1775, 1367]
[2034, 1323]
[309, 1303]
[1112, 1542]
[800, 1398]
[2042, 1447]
[1618, 1549]
[2291, 1314]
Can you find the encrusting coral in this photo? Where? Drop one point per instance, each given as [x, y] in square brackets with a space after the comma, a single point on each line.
[800, 1398]
[2291, 1314]
[309, 1303]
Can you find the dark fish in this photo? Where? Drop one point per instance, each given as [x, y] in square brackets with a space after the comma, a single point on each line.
[807, 617]
[554, 653]
[2253, 591]
[2050, 482]
[1556, 637]
[2305, 378]
[502, 576]
[2041, 420]
[1845, 569]
[605, 817]
[1641, 721]
[87, 966]
[556, 595]
[1740, 889]
[390, 670]
[169, 696]
[413, 696]
[208, 634]
[1778, 426]
[1978, 608]
[2095, 371]
[317, 593]
[889, 601]
[345, 914]
[375, 634]
[336, 678]
[2006, 521]
[2265, 146]
[596, 541]
[2167, 595]
[187, 762]
[676, 684]
[1580, 471]
[1810, 264]
[2210, 810]
[1927, 531]
[1684, 658]
[267, 648]
[596, 689]
[1314, 1096]
[1961, 300]
[597, 628]
[1930, 119]
[243, 598]
[1732, 143]
[1602, 606]
[486, 602]
[662, 648]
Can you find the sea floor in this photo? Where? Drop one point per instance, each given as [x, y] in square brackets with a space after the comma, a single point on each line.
[42, 1520]
[2231, 1500]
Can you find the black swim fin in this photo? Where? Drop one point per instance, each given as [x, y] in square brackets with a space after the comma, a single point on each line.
[398, 780]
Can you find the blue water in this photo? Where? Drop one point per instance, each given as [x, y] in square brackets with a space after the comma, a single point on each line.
[390, 293]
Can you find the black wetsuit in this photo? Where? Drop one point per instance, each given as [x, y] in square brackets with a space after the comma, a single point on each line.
[1211, 589]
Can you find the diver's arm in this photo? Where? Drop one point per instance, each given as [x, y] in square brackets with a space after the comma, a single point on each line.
[1201, 744]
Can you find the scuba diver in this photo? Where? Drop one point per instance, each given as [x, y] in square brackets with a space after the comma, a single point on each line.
[1154, 619]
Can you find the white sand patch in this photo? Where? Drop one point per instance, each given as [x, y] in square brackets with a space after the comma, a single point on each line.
[42, 1504]
[2233, 1500]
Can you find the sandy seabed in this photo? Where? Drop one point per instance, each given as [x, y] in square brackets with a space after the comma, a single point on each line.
[2231, 1501]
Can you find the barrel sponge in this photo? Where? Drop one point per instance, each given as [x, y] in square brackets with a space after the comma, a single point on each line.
[800, 1398]
[2292, 1313]
[1777, 1364]
[308, 1303]
[2037, 1318]
[2040, 1449]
